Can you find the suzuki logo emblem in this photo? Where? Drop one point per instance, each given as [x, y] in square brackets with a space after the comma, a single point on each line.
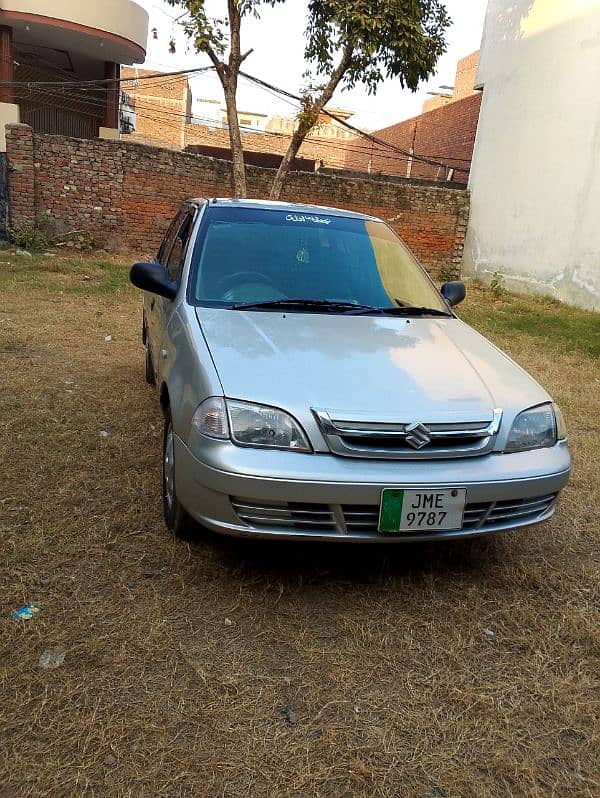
[417, 435]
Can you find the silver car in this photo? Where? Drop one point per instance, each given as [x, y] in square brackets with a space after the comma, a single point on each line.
[315, 384]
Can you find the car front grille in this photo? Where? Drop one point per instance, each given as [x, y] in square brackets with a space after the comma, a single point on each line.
[404, 441]
[360, 519]
[290, 515]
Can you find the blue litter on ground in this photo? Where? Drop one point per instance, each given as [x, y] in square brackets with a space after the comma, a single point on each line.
[26, 613]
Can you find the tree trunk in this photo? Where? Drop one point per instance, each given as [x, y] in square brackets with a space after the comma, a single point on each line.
[284, 167]
[305, 126]
[228, 75]
[235, 139]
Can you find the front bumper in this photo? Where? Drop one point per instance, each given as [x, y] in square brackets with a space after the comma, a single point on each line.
[317, 494]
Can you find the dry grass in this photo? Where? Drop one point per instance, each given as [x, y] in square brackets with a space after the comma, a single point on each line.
[381, 652]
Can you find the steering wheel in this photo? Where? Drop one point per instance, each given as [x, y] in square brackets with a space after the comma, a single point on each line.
[238, 278]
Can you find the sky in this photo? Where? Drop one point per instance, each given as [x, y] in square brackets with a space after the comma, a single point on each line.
[278, 58]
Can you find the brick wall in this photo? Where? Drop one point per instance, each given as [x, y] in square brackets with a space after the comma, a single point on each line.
[445, 134]
[21, 175]
[163, 107]
[331, 152]
[466, 72]
[125, 194]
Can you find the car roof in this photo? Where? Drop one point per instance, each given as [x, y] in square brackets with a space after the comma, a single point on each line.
[292, 207]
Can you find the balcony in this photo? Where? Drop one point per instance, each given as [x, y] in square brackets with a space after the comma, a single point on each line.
[68, 42]
[111, 30]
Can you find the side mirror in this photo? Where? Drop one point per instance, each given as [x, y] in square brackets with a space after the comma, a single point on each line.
[154, 278]
[454, 292]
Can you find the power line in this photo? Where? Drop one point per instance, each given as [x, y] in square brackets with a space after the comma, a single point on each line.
[326, 148]
[91, 99]
[163, 78]
[104, 81]
[361, 133]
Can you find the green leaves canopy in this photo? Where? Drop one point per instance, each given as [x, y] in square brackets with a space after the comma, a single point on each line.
[400, 39]
[347, 42]
[210, 34]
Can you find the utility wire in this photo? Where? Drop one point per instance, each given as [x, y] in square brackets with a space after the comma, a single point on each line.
[103, 81]
[151, 112]
[361, 133]
[95, 85]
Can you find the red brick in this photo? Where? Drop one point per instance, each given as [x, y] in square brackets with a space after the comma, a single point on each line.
[138, 189]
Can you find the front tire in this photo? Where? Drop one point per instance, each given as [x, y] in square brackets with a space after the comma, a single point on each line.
[177, 519]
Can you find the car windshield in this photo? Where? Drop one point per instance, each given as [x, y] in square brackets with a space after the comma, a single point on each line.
[254, 255]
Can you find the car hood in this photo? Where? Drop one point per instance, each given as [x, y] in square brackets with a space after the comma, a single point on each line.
[364, 367]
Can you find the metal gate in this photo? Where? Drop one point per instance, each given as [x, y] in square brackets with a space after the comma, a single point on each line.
[60, 121]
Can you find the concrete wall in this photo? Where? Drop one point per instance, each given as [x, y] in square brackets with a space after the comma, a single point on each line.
[125, 194]
[535, 175]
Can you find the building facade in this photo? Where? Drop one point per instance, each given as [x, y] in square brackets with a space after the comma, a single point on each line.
[327, 126]
[162, 107]
[166, 115]
[464, 84]
[436, 145]
[535, 175]
[60, 43]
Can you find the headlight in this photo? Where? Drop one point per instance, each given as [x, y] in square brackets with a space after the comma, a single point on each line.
[249, 424]
[536, 428]
[259, 425]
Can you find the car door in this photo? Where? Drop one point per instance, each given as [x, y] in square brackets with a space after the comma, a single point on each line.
[174, 257]
[151, 301]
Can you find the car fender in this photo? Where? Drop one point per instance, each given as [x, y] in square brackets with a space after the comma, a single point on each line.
[186, 368]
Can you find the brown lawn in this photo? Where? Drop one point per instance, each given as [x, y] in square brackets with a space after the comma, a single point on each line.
[380, 652]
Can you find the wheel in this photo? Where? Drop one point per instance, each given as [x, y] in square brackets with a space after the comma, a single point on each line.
[150, 375]
[177, 519]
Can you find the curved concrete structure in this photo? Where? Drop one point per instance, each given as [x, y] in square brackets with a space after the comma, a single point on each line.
[111, 30]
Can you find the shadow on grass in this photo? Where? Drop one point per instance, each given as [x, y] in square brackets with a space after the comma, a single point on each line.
[322, 563]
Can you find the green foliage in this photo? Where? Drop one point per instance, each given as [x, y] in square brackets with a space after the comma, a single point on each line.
[211, 34]
[346, 42]
[497, 284]
[400, 39]
[387, 38]
[448, 273]
[29, 237]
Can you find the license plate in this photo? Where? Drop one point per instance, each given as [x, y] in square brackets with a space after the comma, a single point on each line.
[421, 510]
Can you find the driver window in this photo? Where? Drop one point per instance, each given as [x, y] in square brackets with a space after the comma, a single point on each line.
[176, 255]
[165, 246]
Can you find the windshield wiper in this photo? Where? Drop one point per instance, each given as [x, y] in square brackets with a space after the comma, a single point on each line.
[405, 310]
[303, 304]
[347, 308]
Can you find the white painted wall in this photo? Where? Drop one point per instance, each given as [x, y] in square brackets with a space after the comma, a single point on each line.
[535, 177]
